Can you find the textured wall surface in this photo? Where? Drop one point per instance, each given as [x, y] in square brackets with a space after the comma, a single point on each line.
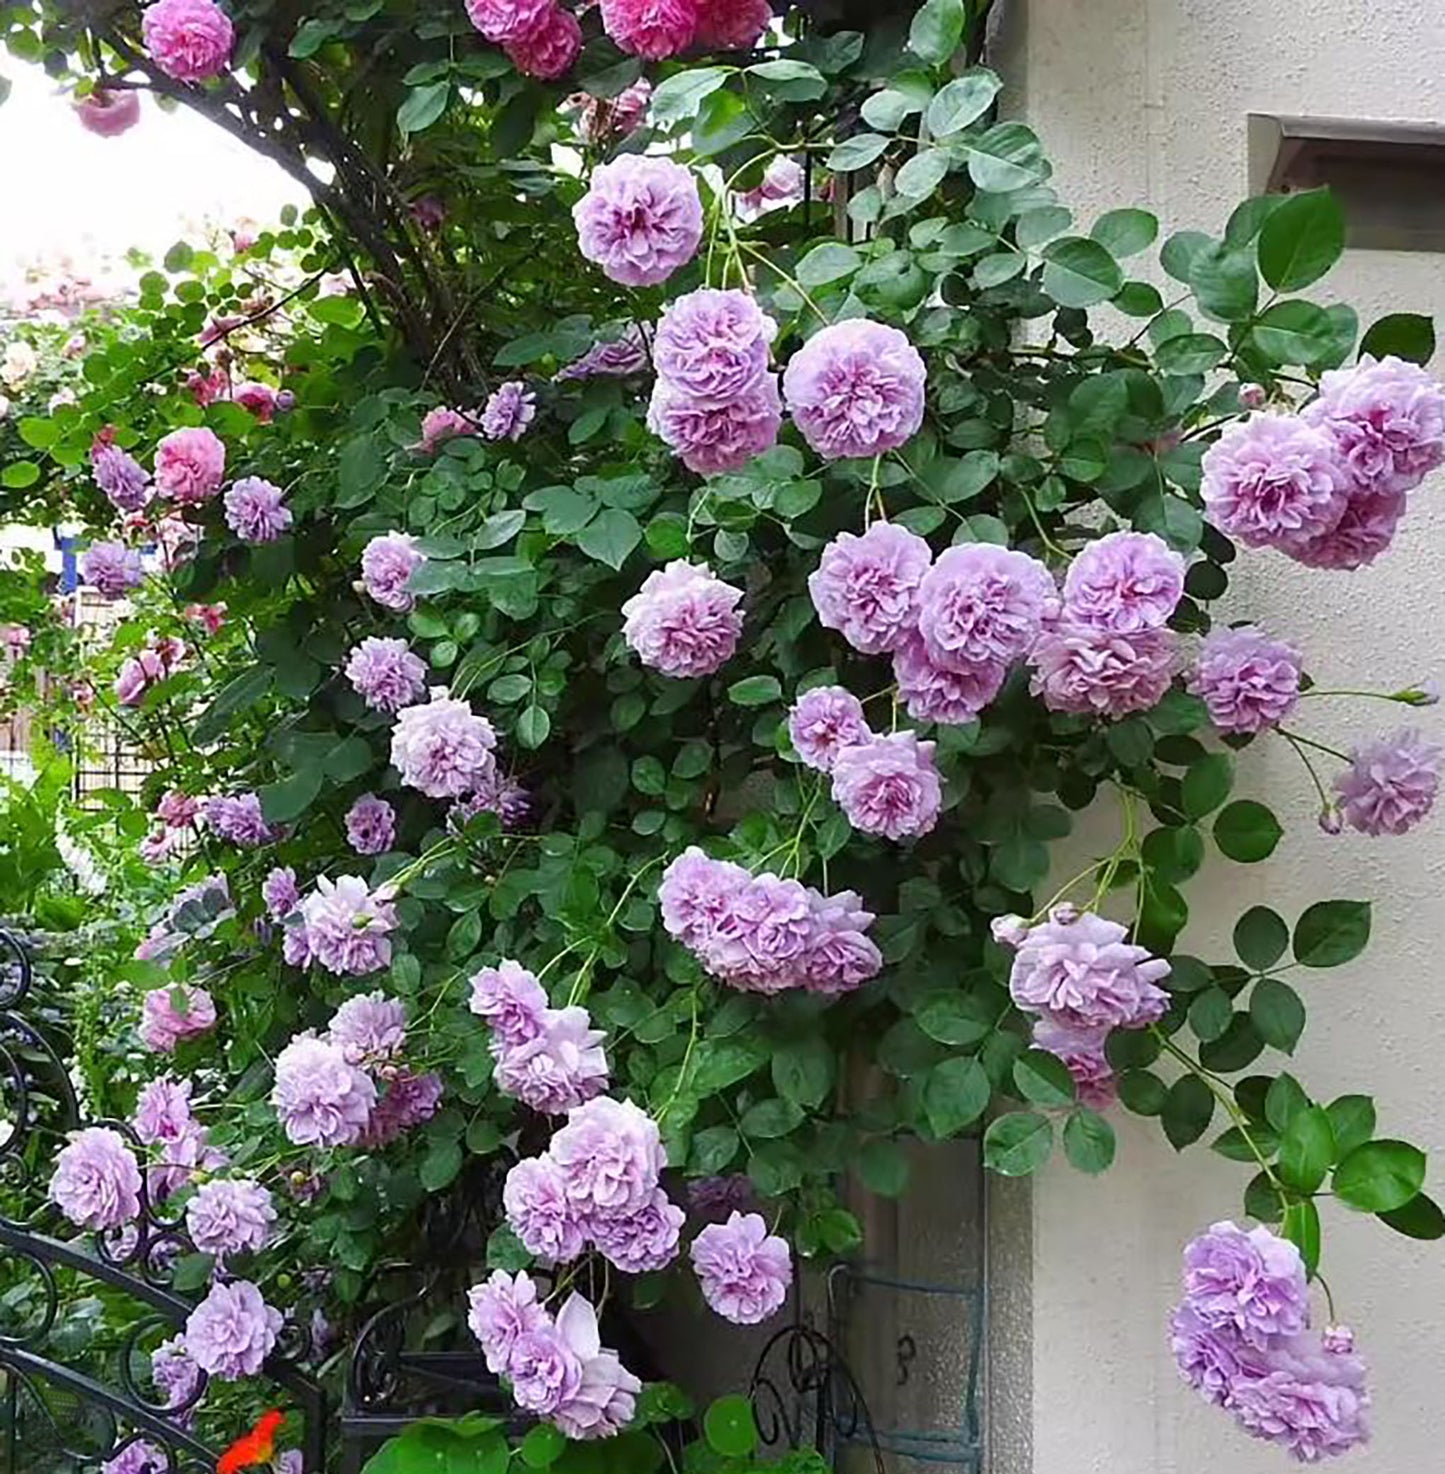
[1145, 102]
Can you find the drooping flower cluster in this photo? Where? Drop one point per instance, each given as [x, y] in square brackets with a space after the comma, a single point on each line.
[744, 1271]
[765, 934]
[558, 1368]
[856, 389]
[1328, 486]
[1241, 1338]
[640, 220]
[715, 403]
[657, 29]
[549, 1058]
[683, 621]
[1082, 977]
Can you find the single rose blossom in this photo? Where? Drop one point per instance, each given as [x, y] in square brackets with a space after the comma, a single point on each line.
[1124, 582]
[823, 722]
[239, 819]
[259, 399]
[744, 1271]
[1248, 681]
[731, 25]
[108, 114]
[603, 118]
[189, 40]
[280, 893]
[654, 29]
[1082, 1050]
[441, 424]
[641, 219]
[983, 605]
[641, 1242]
[125, 482]
[550, 51]
[605, 1399]
[230, 1216]
[683, 621]
[347, 926]
[511, 1000]
[410, 1100]
[507, 20]
[370, 1028]
[540, 1211]
[509, 410]
[783, 185]
[559, 1068]
[610, 1155]
[615, 358]
[96, 1183]
[320, 1098]
[138, 1457]
[191, 462]
[112, 569]
[1365, 529]
[856, 389]
[1390, 784]
[175, 1013]
[1251, 1282]
[889, 786]
[211, 617]
[385, 674]
[232, 1331]
[387, 564]
[1102, 673]
[716, 439]
[501, 1310]
[713, 345]
[933, 693]
[256, 510]
[867, 588]
[371, 825]
[442, 748]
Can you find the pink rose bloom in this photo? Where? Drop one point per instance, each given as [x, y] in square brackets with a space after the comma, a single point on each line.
[440, 425]
[1094, 672]
[731, 25]
[640, 220]
[856, 389]
[604, 1400]
[823, 722]
[209, 388]
[1082, 1050]
[320, 1097]
[867, 587]
[562, 1066]
[500, 1310]
[1248, 681]
[1390, 784]
[1080, 970]
[260, 399]
[655, 29]
[683, 621]
[387, 564]
[982, 605]
[889, 786]
[385, 674]
[232, 1331]
[511, 1000]
[174, 1013]
[840, 956]
[542, 1213]
[442, 748]
[211, 617]
[1124, 582]
[713, 439]
[508, 20]
[178, 810]
[1274, 481]
[783, 185]
[610, 1156]
[108, 114]
[933, 694]
[1387, 420]
[96, 1182]
[549, 51]
[189, 40]
[744, 1270]
[190, 463]
[1365, 529]
[713, 345]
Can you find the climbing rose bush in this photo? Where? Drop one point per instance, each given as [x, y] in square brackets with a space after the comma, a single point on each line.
[593, 739]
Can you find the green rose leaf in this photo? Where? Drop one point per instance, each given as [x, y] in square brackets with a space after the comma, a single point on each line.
[1079, 272]
[1246, 832]
[1380, 1176]
[1330, 933]
[1301, 239]
[1043, 1079]
[1277, 1013]
[962, 101]
[956, 1093]
[1407, 335]
[1187, 1111]
[1420, 1218]
[1018, 1143]
[937, 30]
[1307, 1149]
[1088, 1141]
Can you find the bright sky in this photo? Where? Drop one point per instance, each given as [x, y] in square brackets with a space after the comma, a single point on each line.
[69, 194]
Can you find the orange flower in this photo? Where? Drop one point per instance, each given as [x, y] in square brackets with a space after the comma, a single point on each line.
[253, 1448]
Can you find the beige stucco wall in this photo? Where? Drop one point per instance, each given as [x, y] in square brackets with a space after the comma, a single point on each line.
[1145, 102]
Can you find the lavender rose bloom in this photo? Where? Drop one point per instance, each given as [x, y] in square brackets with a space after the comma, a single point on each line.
[698, 894]
[711, 439]
[1081, 970]
[610, 1155]
[125, 482]
[442, 747]
[823, 722]
[744, 1270]
[96, 1182]
[385, 674]
[238, 818]
[541, 1212]
[232, 1331]
[1387, 420]
[370, 1028]
[508, 412]
[1390, 784]
[713, 346]
[640, 220]
[230, 1217]
[1102, 673]
[683, 621]
[982, 605]
[1250, 1282]
[280, 892]
[1213, 1360]
[1082, 1050]
[1365, 529]
[561, 1067]
[347, 925]
[640, 1242]
[112, 569]
[501, 1310]
[1124, 582]
[1274, 481]
[138, 1457]
[543, 1371]
[856, 389]
[617, 358]
[175, 1375]
[840, 956]
[932, 693]
[320, 1097]
[387, 564]
[1312, 1399]
[410, 1100]
[256, 511]
[889, 786]
[172, 1014]
[605, 1401]
[371, 825]
[867, 588]
[1248, 681]
[511, 1000]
